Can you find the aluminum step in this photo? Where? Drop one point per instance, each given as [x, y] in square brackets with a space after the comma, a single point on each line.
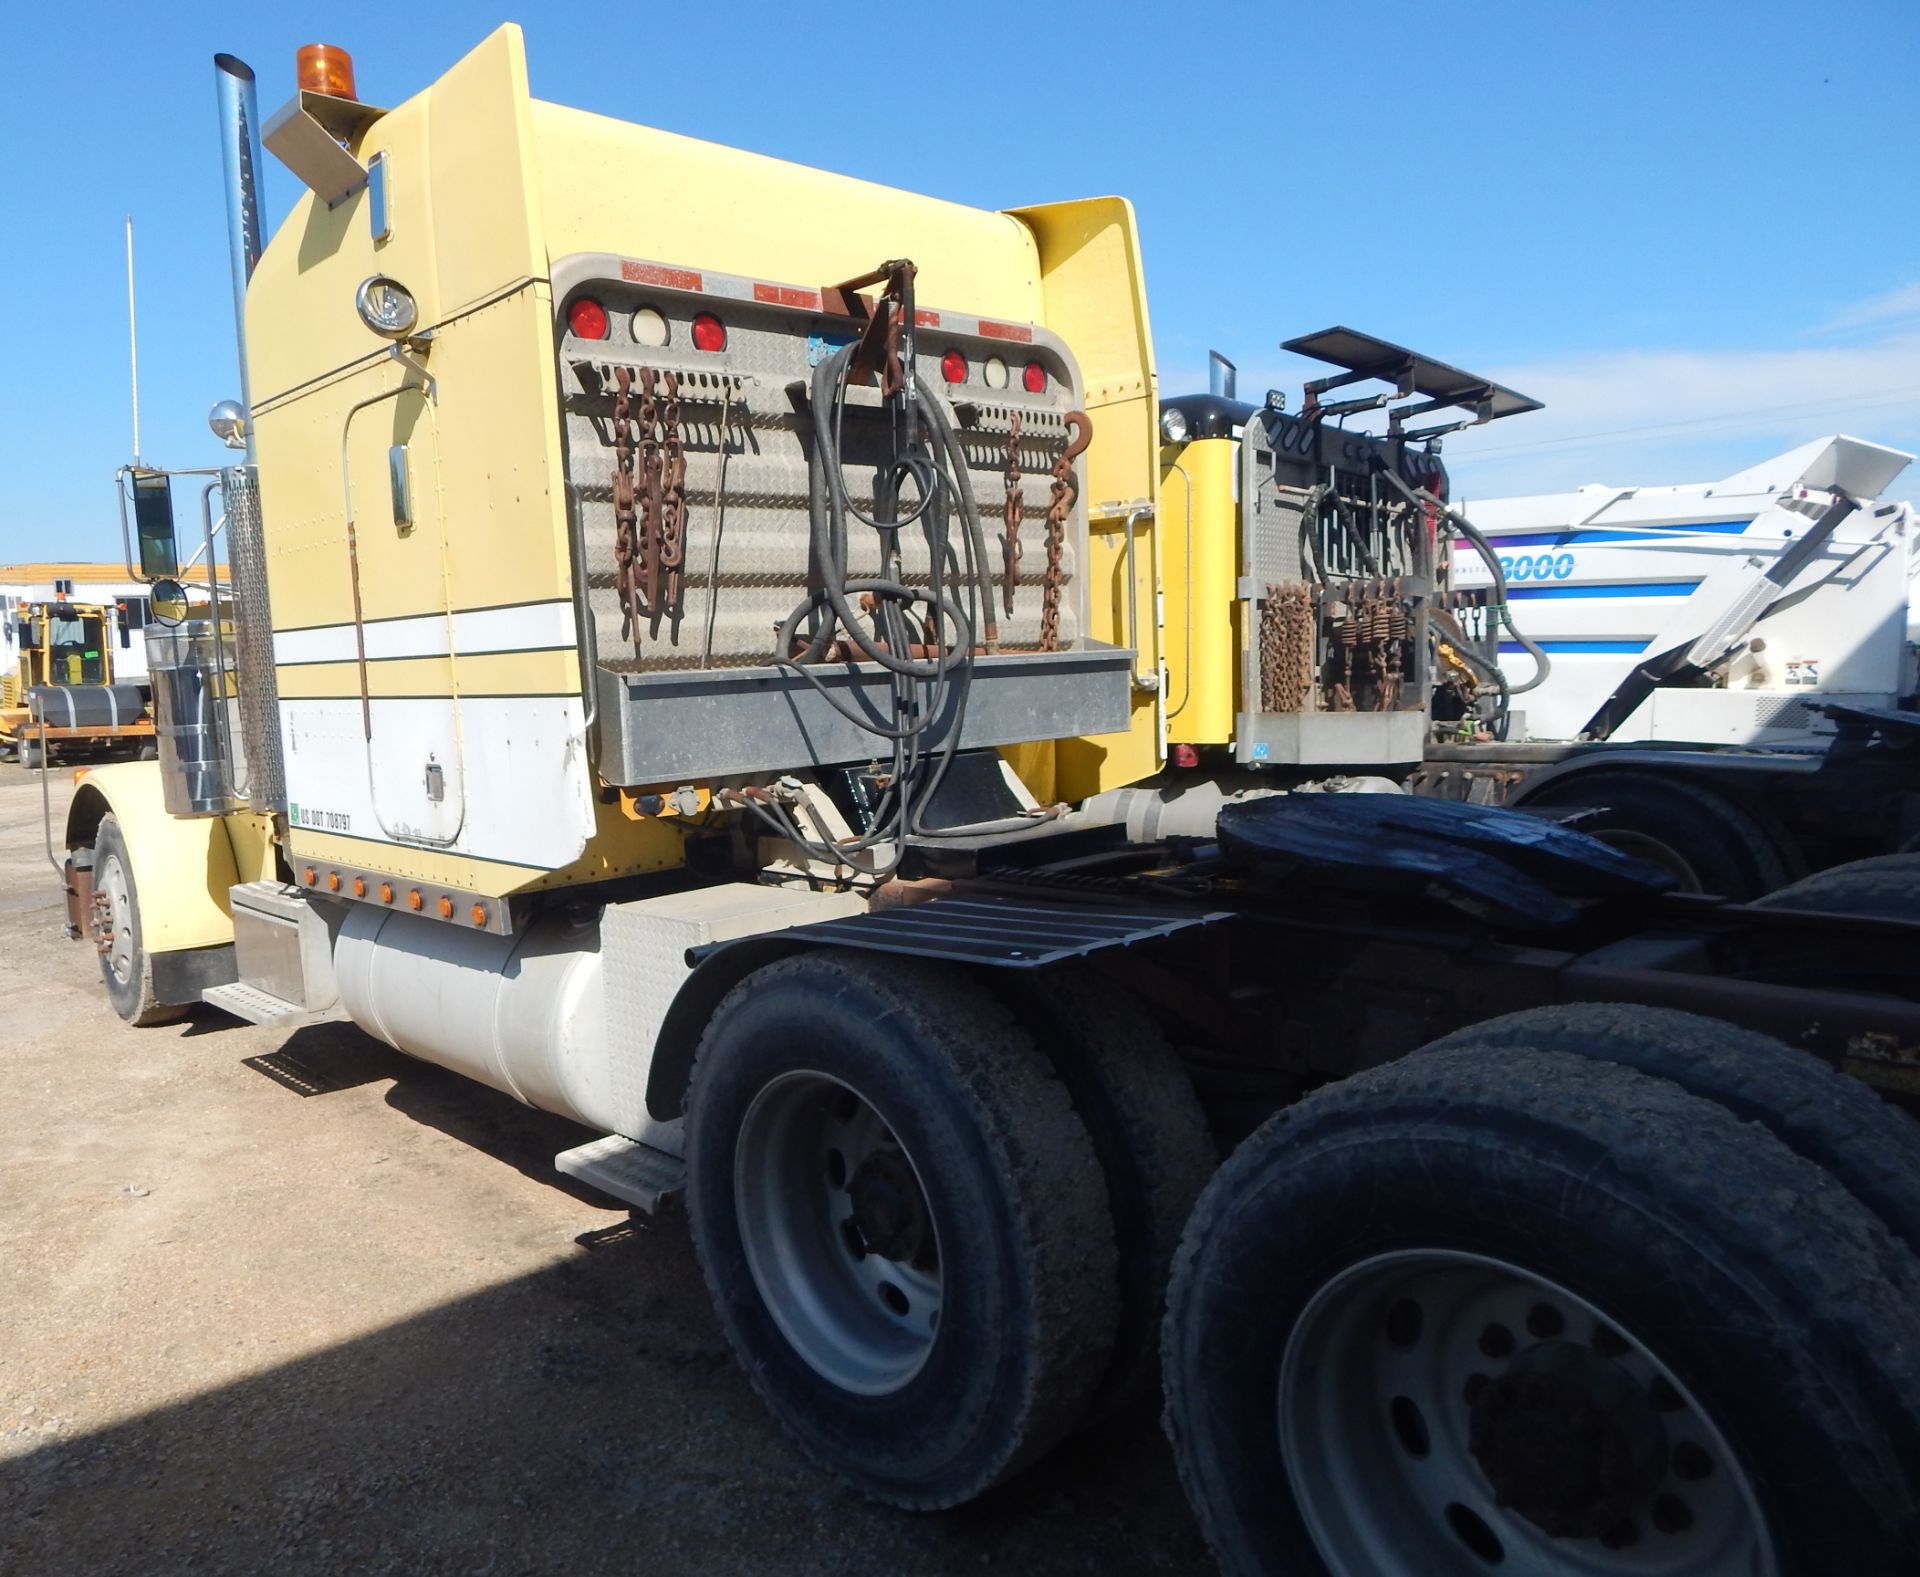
[628, 1170]
[257, 1006]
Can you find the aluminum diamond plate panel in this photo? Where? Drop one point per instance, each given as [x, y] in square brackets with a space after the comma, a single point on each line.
[643, 952]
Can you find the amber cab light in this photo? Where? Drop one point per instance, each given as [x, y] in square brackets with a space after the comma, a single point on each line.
[953, 367]
[709, 333]
[325, 68]
[587, 318]
[1033, 378]
[479, 914]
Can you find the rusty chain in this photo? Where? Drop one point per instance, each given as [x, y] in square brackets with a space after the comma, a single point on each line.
[626, 548]
[1065, 490]
[649, 492]
[672, 520]
[1011, 511]
[1286, 647]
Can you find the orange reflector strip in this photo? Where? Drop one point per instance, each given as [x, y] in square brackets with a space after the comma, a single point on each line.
[655, 274]
[1012, 331]
[787, 296]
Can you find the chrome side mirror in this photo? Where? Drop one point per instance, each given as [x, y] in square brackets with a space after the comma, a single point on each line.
[167, 599]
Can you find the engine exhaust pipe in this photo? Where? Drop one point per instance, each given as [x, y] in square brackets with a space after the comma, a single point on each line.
[1221, 375]
[240, 160]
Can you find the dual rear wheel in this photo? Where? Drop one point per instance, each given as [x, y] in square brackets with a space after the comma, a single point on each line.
[1577, 1292]
[935, 1225]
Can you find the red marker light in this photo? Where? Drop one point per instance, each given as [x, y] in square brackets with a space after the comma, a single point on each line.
[709, 333]
[587, 318]
[1034, 378]
[953, 367]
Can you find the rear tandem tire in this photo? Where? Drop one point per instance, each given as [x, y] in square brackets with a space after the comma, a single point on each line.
[1151, 1135]
[126, 968]
[901, 1222]
[1656, 1329]
[1871, 1148]
[1885, 887]
[1711, 844]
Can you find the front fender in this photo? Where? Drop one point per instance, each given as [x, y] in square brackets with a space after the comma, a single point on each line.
[181, 868]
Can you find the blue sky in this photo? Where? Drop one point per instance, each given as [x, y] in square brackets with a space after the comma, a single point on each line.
[1693, 228]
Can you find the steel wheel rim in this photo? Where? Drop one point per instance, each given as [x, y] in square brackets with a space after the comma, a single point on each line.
[113, 882]
[812, 1162]
[1657, 853]
[1376, 1430]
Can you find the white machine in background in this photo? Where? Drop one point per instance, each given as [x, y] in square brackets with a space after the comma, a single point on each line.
[1708, 612]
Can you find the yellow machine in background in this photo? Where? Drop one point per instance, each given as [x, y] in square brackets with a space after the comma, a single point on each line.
[62, 698]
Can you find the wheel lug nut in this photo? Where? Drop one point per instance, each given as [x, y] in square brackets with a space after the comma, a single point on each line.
[1545, 1321]
[1622, 1535]
[1691, 1462]
[1671, 1514]
[1608, 1343]
[1496, 1341]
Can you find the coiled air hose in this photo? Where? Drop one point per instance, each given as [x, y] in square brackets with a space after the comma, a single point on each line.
[1501, 617]
[923, 689]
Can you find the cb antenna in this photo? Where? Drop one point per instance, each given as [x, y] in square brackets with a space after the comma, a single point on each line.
[133, 345]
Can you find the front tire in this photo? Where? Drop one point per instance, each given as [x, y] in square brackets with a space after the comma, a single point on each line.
[1502, 1309]
[901, 1221]
[126, 968]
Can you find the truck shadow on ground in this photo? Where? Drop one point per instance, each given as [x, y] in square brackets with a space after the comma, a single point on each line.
[323, 1059]
[585, 1418]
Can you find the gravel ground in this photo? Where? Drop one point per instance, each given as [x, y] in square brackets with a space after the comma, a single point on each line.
[290, 1302]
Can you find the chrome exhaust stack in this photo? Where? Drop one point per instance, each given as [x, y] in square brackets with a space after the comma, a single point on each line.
[240, 161]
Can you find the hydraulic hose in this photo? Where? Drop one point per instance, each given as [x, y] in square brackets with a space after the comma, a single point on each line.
[1484, 548]
[918, 687]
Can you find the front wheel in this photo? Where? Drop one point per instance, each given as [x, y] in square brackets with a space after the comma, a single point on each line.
[902, 1223]
[126, 968]
[1498, 1309]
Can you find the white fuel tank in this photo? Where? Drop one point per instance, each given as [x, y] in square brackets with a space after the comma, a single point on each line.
[565, 1015]
[522, 1013]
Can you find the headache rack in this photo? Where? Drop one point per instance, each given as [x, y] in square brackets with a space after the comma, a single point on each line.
[715, 373]
[1341, 541]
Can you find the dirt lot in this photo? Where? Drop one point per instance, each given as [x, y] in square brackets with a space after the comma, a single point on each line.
[291, 1302]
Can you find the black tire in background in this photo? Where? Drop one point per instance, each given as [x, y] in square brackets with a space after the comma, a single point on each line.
[126, 968]
[1151, 1136]
[1026, 1269]
[1885, 887]
[1871, 1148]
[1711, 844]
[1780, 1307]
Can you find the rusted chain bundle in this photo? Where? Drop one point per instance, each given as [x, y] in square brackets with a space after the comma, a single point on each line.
[1286, 647]
[1065, 490]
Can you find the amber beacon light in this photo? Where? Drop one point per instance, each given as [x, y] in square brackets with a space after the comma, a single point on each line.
[325, 68]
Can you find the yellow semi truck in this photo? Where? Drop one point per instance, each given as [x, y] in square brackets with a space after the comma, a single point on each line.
[694, 660]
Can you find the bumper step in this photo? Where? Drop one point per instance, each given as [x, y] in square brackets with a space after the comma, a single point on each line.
[263, 1007]
[628, 1170]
